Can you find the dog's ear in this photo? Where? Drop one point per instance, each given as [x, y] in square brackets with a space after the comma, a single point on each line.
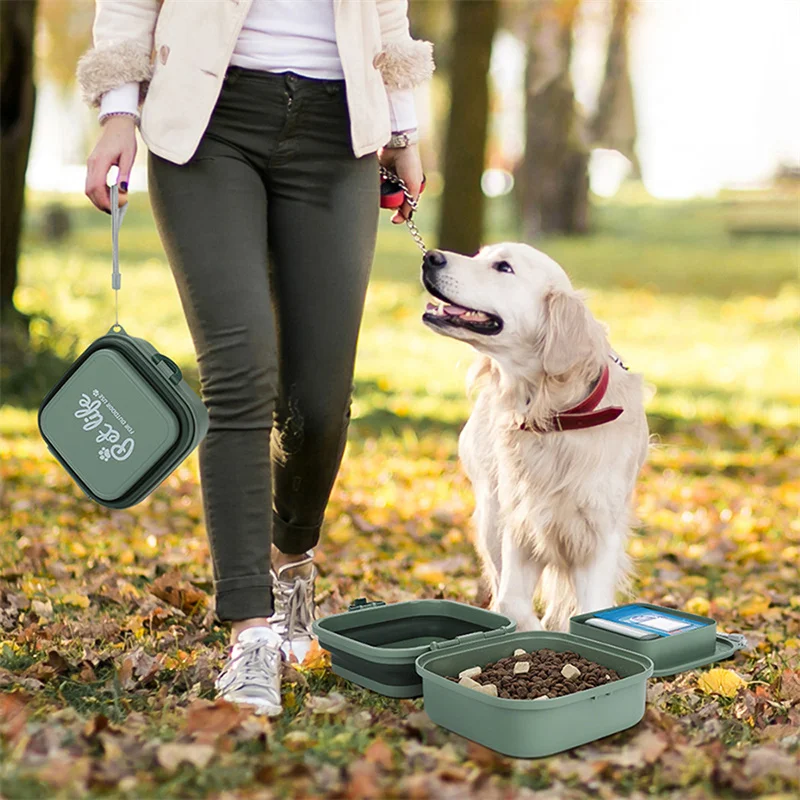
[570, 334]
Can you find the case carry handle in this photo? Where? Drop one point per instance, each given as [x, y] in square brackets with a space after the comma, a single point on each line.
[117, 215]
[362, 602]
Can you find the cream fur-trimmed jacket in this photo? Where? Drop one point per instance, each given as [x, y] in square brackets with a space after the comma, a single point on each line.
[178, 52]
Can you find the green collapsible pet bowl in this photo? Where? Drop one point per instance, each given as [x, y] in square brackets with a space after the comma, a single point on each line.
[375, 645]
[121, 419]
[534, 728]
[380, 647]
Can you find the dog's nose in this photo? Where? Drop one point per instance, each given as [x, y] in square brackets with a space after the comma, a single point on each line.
[434, 259]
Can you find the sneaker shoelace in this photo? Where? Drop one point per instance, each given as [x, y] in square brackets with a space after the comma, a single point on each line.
[254, 668]
[297, 600]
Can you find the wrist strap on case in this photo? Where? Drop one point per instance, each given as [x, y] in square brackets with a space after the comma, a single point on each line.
[117, 214]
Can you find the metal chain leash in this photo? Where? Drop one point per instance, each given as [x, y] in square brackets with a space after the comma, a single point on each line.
[412, 227]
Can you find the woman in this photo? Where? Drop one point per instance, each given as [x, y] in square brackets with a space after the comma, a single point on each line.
[263, 120]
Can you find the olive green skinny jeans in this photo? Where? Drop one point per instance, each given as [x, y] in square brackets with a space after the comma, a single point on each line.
[270, 232]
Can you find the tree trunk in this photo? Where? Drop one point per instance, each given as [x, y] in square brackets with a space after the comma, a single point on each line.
[614, 122]
[17, 99]
[554, 180]
[461, 221]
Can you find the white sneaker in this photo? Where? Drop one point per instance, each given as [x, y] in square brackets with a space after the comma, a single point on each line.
[293, 596]
[252, 675]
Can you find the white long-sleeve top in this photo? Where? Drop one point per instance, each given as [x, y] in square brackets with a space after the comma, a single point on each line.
[284, 36]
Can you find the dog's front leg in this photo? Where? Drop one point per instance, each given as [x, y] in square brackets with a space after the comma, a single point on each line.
[488, 537]
[519, 576]
[595, 582]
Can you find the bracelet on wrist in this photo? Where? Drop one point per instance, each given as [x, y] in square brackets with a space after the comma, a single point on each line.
[109, 114]
[403, 138]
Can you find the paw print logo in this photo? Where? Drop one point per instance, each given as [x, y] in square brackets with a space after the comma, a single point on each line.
[104, 453]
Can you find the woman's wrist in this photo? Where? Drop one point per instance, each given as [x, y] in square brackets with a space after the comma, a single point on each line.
[134, 118]
[403, 139]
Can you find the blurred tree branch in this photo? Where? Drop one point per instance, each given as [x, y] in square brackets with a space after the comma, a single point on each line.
[614, 123]
[65, 33]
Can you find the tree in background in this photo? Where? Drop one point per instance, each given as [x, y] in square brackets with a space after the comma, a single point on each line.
[553, 178]
[65, 28]
[461, 220]
[17, 101]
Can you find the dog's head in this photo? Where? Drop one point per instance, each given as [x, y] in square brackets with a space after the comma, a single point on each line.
[513, 303]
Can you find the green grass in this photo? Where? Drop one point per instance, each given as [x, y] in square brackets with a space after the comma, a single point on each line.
[709, 319]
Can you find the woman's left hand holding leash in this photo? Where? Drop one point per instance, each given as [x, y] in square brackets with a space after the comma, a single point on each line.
[406, 162]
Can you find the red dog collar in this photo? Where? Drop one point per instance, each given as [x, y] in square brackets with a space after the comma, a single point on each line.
[583, 415]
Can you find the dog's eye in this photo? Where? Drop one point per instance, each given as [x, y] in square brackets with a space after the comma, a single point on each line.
[503, 266]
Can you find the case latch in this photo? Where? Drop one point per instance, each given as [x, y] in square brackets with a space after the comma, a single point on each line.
[467, 638]
[362, 602]
[738, 640]
[172, 372]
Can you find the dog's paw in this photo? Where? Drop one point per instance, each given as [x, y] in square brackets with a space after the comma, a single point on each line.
[529, 624]
[525, 621]
[556, 623]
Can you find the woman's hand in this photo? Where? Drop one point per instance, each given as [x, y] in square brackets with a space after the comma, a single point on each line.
[405, 161]
[117, 146]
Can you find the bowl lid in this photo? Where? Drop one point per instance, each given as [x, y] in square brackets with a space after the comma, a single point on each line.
[108, 423]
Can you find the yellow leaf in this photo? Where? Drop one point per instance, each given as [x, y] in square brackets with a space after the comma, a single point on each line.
[756, 605]
[723, 603]
[794, 601]
[720, 681]
[297, 740]
[75, 599]
[698, 605]
[316, 657]
[79, 550]
[341, 532]
[429, 574]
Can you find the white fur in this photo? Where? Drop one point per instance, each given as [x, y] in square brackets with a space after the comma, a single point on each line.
[552, 510]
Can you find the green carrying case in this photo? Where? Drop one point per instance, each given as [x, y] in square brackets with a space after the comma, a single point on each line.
[671, 654]
[380, 647]
[121, 418]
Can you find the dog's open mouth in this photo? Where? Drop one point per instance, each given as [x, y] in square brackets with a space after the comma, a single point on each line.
[447, 313]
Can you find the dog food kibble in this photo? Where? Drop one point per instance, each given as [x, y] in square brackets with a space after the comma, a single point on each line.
[549, 675]
[570, 672]
[470, 673]
[519, 652]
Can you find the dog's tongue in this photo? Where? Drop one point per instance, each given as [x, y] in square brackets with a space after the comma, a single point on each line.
[450, 310]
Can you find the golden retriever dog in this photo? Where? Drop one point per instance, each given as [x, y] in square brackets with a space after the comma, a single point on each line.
[556, 437]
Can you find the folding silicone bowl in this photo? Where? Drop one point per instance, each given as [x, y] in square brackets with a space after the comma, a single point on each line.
[375, 645]
[533, 728]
